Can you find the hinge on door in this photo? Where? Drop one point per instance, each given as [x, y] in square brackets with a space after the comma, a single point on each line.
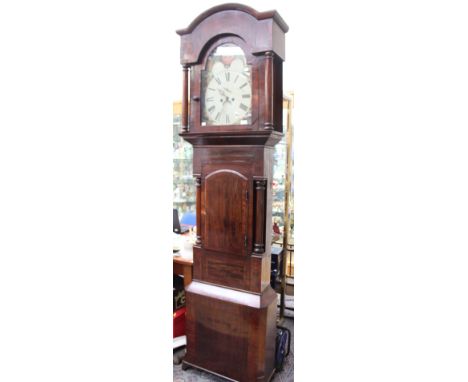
[245, 241]
[247, 195]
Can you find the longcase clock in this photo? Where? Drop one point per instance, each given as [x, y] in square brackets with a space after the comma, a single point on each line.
[232, 61]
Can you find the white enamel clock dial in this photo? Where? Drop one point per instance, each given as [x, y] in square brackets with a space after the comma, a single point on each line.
[227, 97]
[226, 88]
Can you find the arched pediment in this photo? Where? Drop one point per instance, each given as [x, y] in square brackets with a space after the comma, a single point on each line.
[238, 7]
[233, 19]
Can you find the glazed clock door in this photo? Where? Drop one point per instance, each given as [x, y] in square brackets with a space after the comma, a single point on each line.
[226, 88]
[225, 212]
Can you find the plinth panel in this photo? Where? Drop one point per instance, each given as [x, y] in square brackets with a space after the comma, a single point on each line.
[231, 333]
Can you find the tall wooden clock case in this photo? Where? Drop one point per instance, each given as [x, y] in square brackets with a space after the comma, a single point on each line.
[232, 61]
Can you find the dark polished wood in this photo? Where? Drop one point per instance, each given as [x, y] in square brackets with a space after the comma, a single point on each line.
[185, 82]
[264, 30]
[198, 208]
[269, 112]
[231, 308]
[235, 7]
[234, 331]
[259, 215]
[225, 212]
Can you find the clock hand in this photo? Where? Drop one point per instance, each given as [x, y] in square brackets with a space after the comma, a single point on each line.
[221, 92]
[226, 97]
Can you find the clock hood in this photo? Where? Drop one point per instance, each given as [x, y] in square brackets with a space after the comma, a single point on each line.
[267, 29]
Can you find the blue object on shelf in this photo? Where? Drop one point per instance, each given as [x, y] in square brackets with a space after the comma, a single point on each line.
[189, 219]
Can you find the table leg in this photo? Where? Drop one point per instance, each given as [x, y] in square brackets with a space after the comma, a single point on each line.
[187, 275]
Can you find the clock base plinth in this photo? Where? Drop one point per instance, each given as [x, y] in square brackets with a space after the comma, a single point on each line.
[231, 333]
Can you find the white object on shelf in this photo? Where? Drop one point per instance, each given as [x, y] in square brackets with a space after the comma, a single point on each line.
[179, 341]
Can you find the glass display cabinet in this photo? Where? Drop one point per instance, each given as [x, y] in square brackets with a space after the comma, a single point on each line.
[183, 188]
[283, 188]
